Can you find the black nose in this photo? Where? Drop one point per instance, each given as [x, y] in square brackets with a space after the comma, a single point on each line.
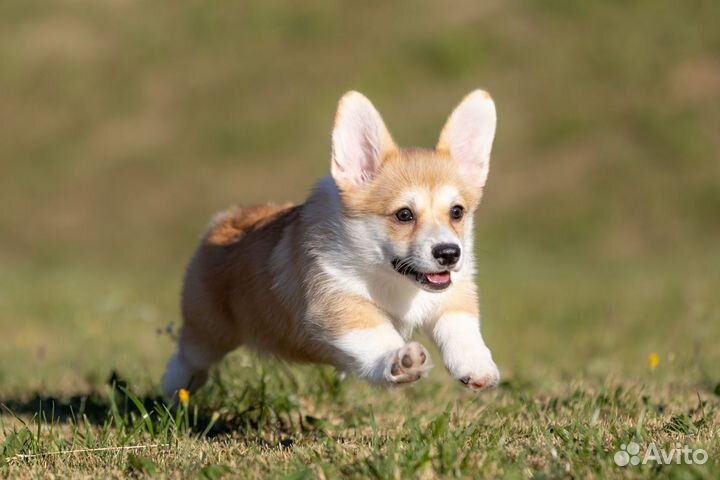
[446, 254]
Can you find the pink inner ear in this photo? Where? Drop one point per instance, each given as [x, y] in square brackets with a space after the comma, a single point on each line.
[471, 135]
[355, 157]
[466, 150]
[369, 155]
[358, 141]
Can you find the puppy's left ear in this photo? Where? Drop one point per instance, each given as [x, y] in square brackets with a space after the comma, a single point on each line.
[468, 136]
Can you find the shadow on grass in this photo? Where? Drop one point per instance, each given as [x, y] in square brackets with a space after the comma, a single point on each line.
[95, 408]
[100, 409]
[250, 410]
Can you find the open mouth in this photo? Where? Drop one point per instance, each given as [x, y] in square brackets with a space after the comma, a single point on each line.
[431, 281]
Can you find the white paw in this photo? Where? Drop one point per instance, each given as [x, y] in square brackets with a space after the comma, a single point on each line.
[408, 364]
[481, 377]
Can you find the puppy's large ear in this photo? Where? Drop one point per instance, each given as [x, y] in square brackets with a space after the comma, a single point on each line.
[360, 141]
[468, 136]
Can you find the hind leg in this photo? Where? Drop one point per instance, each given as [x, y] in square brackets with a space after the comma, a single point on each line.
[188, 368]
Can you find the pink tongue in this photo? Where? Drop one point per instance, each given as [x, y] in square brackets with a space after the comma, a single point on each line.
[443, 277]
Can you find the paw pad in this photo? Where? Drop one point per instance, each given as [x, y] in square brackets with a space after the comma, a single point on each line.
[409, 364]
[479, 383]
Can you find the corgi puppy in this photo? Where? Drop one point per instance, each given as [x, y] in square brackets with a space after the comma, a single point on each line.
[382, 246]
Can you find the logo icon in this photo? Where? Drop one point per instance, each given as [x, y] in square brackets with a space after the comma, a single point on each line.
[628, 454]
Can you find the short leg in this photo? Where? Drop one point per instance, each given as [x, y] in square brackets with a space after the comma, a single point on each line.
[464, 352]
[188, 369]
[380, 355]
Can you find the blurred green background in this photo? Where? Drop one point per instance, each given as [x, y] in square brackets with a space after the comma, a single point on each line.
[125, 124]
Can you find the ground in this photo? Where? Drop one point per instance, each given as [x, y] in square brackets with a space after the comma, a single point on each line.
[126, 125]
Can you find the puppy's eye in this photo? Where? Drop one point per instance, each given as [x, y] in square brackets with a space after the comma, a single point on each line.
[457, 212]
[404, 215]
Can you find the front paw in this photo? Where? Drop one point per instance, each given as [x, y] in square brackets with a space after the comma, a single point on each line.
[409, 364]
[482, 378]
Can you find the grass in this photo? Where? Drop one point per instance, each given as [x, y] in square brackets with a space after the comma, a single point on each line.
[247, 424]
[126, 124]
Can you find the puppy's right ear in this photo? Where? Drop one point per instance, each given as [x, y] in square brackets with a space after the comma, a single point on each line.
[360, 142]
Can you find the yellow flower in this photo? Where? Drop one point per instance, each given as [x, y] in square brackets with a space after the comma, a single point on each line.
[184, 396]
[654, 360]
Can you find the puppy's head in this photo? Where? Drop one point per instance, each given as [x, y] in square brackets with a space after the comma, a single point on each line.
[415, 206]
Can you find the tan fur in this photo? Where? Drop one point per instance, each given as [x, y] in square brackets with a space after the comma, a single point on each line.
[412, 170]
[230, 226]
[462, 299]
[229, 298]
